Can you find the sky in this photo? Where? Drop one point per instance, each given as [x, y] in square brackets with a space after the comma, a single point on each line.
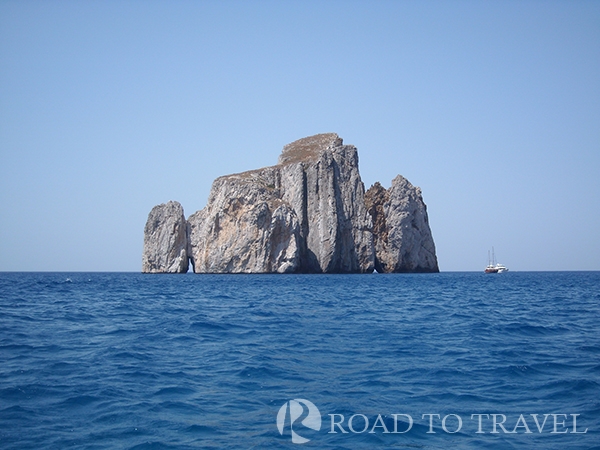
[108, 108]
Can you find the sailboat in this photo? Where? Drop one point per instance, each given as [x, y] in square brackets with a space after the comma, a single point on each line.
[493, 266]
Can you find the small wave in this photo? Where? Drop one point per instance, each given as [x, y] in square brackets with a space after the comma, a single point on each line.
[80, 400]
[13, 393]
[522, 370]
[258, 372]
[9, 347]
[525, 329]
[62, 367]
[174, 390]
[566, 389]
[211, 326]
[131, 355]
[376, 383]
[590, 348]
[17, 412]
[203, 430]
[153, 446]
[178, 407]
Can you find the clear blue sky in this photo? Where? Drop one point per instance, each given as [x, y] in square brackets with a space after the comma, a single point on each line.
[108, 108]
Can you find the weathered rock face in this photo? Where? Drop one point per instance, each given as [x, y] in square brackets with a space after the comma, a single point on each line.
[305, 214]
[320, 180]
[403, 240]
[245, 227]
[165, 240]
[309, 213]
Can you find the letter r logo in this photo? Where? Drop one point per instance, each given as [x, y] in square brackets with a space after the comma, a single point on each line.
[296, 409]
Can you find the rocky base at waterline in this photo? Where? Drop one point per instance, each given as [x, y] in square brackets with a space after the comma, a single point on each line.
[166, 240]
[401, 233]
[307, 214]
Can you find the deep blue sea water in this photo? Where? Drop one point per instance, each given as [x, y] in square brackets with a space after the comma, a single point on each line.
[132, 361]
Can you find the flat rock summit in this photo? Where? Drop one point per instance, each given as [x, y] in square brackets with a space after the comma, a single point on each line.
[307, 214]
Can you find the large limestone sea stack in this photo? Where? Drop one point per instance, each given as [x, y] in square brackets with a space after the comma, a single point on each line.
[307, 214]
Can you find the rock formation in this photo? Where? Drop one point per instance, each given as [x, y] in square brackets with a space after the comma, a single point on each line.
[245, 227]
[166, 240]
[307, 214]
[403, 240]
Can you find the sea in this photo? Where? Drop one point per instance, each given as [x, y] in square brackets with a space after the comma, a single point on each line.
[189, 361]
